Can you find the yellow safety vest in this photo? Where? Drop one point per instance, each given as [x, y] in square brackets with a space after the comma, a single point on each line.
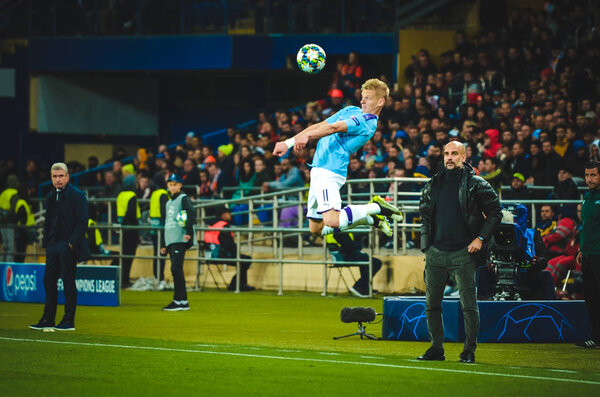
[97, 235]
[155, 203]
[6, 197]
[30, 217]
[122, 202]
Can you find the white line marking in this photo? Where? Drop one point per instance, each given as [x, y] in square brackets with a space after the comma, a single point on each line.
[329, 353]
[320, 360]
[372, 357]
[563, 370]
[205, 345]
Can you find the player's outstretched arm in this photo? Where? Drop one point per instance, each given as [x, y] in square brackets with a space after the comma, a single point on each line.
[315, 131]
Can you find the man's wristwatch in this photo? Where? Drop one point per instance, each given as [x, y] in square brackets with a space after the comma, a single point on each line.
[481, 238]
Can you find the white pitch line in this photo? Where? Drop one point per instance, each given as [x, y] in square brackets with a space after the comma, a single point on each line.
[319, 360]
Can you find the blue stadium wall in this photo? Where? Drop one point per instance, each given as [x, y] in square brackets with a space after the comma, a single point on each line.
[191, 52]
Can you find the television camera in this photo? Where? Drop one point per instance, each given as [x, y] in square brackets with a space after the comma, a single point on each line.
[511, 251]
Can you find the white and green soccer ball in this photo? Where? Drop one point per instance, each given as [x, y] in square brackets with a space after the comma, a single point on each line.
[311, 58]
[181, 218]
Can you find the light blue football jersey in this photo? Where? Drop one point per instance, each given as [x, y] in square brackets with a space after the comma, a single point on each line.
[333, 151]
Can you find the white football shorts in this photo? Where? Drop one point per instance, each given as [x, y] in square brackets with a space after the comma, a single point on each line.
[324, 192]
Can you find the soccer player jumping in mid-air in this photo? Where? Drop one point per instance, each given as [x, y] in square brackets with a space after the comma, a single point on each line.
[339, 136]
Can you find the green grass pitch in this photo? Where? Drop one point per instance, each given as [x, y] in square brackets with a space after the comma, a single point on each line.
[261, 344]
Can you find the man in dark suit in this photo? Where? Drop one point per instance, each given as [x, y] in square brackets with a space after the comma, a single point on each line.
[65, 226]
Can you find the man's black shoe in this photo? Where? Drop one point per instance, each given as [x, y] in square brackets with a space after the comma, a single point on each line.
[65, 326]
[246, 288]
[433, 354]
[176, 307]
[588, 344]
[467, 357]
[42, 324]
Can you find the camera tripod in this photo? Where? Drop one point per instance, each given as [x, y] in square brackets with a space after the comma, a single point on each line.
[361, 331]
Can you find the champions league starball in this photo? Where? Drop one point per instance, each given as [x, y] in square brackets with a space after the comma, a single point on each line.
[311, 58]
[181, 218]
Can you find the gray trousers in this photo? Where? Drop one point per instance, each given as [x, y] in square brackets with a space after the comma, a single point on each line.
[438, 266]
[8, 244]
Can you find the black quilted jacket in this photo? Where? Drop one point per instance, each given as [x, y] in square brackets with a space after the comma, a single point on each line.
[476, 198]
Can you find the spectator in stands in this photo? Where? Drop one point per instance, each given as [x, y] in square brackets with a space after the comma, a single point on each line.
[246, 179]
[552, 162]
[518, 189]
[350, 247]
[290, 177]
[565, 189]
[117, 168]
[263, 174]
[204, 187]
[190, 177]
[576, 161]
[91, 178]
[518, 162]
[112, 186]
[351, 75]
[217, 178]
[563, 247]
[32, 179]
[548, 220]
[226, 164]
[493, 173]
[420, 67]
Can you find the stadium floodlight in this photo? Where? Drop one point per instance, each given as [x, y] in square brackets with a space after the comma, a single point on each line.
[359, 315]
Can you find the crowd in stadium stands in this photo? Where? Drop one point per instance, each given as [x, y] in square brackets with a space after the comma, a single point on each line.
[523, 99]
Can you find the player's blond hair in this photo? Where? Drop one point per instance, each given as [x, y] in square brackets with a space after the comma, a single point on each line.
[378, 86]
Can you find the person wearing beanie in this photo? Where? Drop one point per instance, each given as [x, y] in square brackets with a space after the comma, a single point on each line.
[576, 161]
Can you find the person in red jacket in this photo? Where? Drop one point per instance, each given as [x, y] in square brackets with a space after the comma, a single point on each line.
[563, 245]
[224, 246]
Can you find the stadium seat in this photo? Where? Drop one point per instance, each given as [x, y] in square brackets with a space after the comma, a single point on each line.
[336, 256]
[208, 253]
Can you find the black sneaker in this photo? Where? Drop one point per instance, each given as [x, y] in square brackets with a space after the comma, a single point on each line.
[433, 354]
[41, 325]
[467, 357]
[65, 326]
[588, 344]
[246, 288]
[175, 307]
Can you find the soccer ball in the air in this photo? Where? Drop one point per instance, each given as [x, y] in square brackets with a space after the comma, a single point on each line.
[311, 58]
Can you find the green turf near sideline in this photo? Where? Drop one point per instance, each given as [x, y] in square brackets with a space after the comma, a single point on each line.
[261, 344]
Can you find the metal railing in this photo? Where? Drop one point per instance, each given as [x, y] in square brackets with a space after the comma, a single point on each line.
[271, 232]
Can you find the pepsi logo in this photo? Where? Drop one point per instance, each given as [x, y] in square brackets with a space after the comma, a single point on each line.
[9, 276]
